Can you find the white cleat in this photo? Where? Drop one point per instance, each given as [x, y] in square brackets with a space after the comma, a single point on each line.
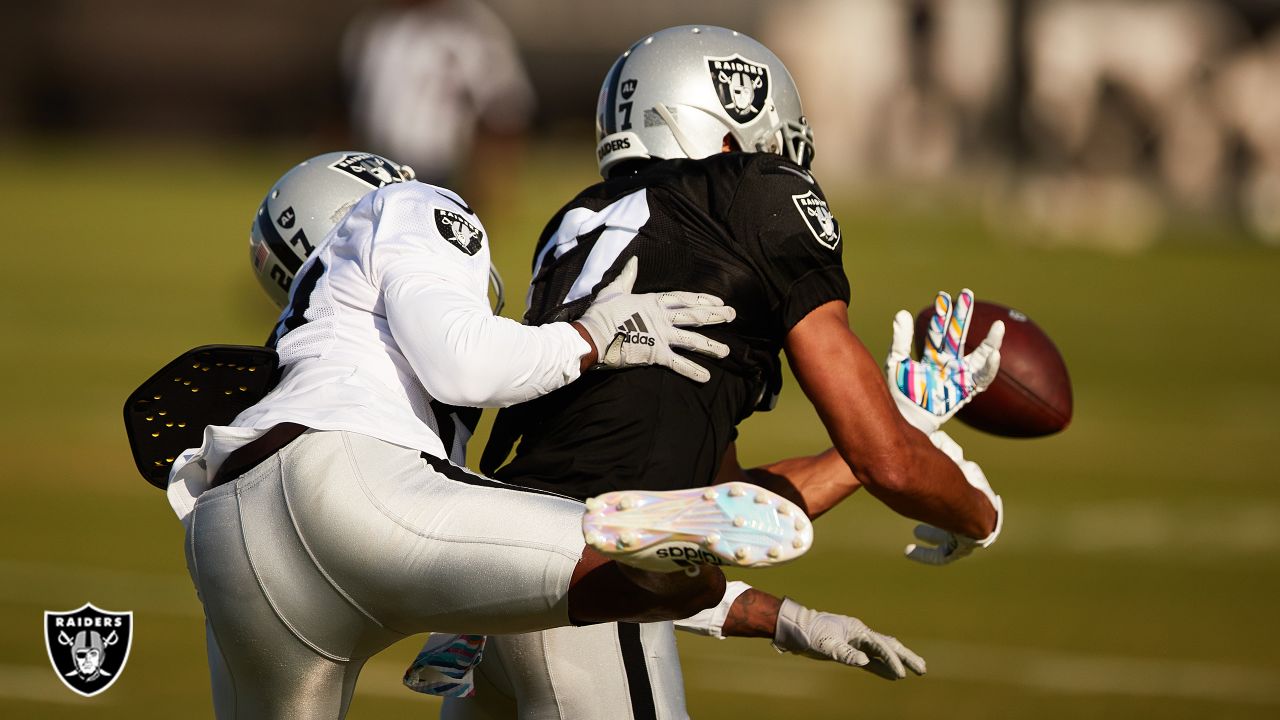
[735, 524]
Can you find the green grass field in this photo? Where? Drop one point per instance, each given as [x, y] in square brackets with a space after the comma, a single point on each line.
[1140, 560]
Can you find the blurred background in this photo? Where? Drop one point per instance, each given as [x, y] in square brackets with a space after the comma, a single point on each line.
[1110, 167]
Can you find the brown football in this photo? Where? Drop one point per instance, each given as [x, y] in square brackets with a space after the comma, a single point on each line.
[1031, 395]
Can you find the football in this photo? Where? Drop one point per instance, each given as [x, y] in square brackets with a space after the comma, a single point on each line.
[1031, 395]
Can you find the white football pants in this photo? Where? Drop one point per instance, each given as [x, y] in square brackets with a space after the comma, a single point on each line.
[341, 544]
[620, 671]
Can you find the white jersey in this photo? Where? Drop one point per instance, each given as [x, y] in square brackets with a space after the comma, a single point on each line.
[388, 320]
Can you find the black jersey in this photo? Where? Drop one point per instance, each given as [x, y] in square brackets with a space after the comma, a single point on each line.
[751, 228]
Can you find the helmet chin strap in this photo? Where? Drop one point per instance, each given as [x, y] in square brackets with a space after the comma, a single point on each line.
[775, 133]
[772, 133]
[681, 139]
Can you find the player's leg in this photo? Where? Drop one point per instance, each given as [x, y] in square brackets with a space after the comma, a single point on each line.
[662, 663]
[259, 667]
[611, 670]
[340, 544]
[604, 590]
[462, 553]
[256, 698]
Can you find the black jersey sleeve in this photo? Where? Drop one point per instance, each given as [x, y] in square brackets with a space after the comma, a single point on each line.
[789, 232]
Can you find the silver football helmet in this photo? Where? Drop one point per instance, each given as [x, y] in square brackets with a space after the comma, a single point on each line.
[304, 205]
[678, 92]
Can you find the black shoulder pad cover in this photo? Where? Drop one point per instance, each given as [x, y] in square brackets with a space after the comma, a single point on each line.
[207, 385]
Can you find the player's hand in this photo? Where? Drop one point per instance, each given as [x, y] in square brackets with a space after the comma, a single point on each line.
[630, 329]
[847, 640]
[941, 547]
[930, 390]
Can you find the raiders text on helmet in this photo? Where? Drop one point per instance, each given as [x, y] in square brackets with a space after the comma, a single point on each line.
[304, 205]
[678, 92]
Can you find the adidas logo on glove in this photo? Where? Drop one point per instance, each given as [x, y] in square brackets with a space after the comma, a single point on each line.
[634, 331]
[630, 330]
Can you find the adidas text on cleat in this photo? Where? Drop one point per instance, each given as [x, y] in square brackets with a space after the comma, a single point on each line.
[735, 524]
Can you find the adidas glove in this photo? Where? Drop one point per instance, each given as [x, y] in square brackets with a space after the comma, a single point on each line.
[930, 390]
[847, 640]
[942, 547]
[630, 329]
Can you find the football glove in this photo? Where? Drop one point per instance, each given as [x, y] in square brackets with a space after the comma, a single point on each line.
[945, 547]
[445, 666]
[929, 391]
[847, 640]
[630, 329]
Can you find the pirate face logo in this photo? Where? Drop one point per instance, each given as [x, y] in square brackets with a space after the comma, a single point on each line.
[741, 85]
[369, 169]
[88, 647]
[459, 231]
[818, 217]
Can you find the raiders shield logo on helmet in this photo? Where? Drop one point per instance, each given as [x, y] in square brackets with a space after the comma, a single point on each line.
[88, 646]
[459, 231]
[369, 169]
[741, 85]
[818, 217]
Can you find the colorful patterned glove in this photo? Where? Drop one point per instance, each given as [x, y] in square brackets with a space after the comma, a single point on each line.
[445, 665]
[929, 391]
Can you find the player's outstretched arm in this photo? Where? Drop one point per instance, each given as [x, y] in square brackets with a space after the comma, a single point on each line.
[895, 462]
[814, 482]
[745, 611]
